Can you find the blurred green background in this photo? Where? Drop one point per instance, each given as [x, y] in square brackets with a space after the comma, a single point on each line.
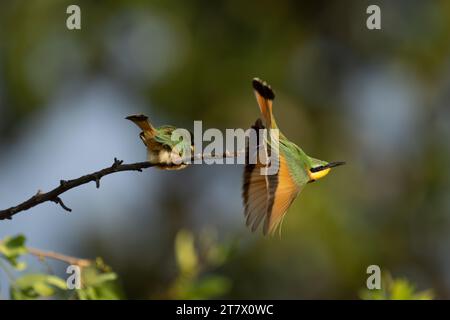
[376, 99]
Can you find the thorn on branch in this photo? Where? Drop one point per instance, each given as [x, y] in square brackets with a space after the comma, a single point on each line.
[61, 203]
[97, 181]
[66, 185]
[116, 163]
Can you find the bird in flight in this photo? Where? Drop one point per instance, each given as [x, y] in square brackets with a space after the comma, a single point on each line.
[268, 197]
[164, 152]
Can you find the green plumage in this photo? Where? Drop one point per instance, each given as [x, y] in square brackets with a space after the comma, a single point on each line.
[268, 197]
[164, 137]
[297, 161]
[162, 149]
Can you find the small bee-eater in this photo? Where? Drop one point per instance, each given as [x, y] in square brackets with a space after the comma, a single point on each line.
[268, 197]
[160, 147]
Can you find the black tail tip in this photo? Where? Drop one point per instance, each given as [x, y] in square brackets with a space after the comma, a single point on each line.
[263, 89]
[137, 117]
[258, 124]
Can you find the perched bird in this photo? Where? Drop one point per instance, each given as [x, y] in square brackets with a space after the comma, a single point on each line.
[161, 149]
[268, 197]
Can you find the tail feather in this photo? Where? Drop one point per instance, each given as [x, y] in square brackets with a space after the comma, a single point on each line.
[264, 96]
[142, 122]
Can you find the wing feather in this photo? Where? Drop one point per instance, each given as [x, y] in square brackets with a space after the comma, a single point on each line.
[267, 197]
[280, 198]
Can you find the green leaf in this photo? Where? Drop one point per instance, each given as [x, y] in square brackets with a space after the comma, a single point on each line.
[57, 282]
[186, 256]
[32, 286]
[101, 278]
[401, 289]
[106, 291]
[396, 289]
[11, 248]
[87, 294]
[93, 277]
[99, 285]
[206, 288]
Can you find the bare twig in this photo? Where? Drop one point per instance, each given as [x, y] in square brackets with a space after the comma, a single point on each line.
[65, 185]
[41, 254]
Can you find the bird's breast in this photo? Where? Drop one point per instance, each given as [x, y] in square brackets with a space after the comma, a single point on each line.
[165, 159]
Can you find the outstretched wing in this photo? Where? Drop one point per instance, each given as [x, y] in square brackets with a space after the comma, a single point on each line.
[267, 197]
[282, 191]
[255, 187]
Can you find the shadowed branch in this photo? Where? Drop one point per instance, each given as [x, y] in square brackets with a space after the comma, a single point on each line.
[65, 185]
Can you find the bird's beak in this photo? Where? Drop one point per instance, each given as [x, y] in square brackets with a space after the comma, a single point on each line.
[335, 164]
[321, 171]
[327, 166]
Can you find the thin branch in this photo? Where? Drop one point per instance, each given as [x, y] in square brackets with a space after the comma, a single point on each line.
[65, 185]
[41, 254]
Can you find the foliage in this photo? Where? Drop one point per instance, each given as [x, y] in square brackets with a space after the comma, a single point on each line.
[97, 279]
[194, 259]
[33, 286]
[396, 289]
[12, 248]
[99, 284]
[193, 263]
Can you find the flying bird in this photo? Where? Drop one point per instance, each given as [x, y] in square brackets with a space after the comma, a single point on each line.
[164, 152]
[268, 197]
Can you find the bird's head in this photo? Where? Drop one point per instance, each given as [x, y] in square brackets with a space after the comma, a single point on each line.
[320, 168]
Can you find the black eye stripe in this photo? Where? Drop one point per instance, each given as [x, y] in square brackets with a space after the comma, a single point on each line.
[317, 169]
